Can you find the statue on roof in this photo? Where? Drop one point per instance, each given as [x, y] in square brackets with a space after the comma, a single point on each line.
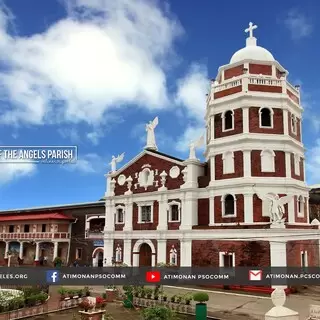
[195, 145]
[151, 139]
[116, 160]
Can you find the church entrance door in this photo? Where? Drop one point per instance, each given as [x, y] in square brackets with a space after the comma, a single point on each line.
[145, 256]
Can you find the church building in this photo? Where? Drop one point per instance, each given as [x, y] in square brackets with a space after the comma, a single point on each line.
[246, 205]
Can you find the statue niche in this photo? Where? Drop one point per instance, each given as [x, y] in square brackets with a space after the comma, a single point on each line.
[146, 178]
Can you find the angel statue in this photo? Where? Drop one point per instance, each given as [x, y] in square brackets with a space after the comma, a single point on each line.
[276, 207]
[151, 139]
[194, 145]
[116, 160]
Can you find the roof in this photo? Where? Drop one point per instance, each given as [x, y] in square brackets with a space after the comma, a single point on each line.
[56, 207]
[315, 187]
[43, 216]
[166, 155]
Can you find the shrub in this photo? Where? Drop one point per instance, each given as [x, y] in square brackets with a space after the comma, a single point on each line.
[158, 313]
[200, 297]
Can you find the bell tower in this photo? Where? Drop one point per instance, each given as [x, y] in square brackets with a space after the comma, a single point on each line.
[254, 144]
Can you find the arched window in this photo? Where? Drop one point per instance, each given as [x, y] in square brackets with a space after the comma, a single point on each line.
[267, 161]
[119, 214]
[301, 206]
[228, 162]
[294, 121]
[227, 120]
[173, 256]
[228, 205]
[266, 118]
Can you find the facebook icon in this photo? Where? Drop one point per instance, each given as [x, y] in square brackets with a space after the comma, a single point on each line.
[52, 276]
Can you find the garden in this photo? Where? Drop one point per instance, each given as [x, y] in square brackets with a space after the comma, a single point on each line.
[22, 297]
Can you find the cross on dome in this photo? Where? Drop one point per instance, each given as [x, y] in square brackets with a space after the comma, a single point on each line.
[250, 29]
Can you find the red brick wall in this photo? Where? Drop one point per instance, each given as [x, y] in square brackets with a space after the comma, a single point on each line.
[238, 166]
[227, 92]
[233, 72]
[277, 122]
[119, 227]
[156, 163]
[280, 165]
[263, 88]
[203, 212]
[294, 249]
[260, 69]
[249, 253]
[218, 210]
[293, 175]
[238, 125]
[145, 226]
[176, 244]
[293, 97]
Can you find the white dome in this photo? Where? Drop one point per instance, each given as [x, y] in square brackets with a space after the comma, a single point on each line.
[253, 53]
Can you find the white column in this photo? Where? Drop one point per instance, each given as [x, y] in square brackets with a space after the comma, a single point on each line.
[107, 252]
[189, 212]
[162, 251]
[248, 208]
[37, 251]
[285, 122]
[211, 210]
[163, 214]
[185, 253]
[247, 163]
[128, 215]
[308, 209]
[110, 211]
[55, 249]
[291, 207]
[245, 119]
[278, 256]
[21, 250]
[153, 260]
[288, 164]
[212, 128]
[212, 170]
[127, 252]
[135, 259]
[6, 250]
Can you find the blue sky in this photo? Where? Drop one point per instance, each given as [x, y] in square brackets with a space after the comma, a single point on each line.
[91, 73]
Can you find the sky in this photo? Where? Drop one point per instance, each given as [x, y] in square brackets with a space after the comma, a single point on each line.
[92, 73]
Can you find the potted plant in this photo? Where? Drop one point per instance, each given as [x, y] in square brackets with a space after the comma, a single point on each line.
[178, 299]
[164, 297]
[63, 293]
[148, 293]
[173, 299]
[142, 293]
[57, 262]
[86, 305]
[100, 303]
[87, 292]
[158, 312]
[128, 300]
[201, 307]
[71, 293]
[80, 293]
[187, 299]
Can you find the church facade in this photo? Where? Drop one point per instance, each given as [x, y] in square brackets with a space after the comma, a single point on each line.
[247, 204]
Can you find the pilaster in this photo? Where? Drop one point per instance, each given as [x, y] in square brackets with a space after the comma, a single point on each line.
[128, 215]
[288, 164]
[189, 212]
[247, 163]
[245, 119]
[211, 210]
[109, 209]
[248, 208]
[163, 213]
[285, 123]
[162, 251]
[185, 253]
[278, 256]
[127, 252]
[107, 252]
[212, 128]
[212, 170]
[291, 210]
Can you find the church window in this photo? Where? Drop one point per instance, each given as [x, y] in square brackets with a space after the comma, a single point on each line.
[304, 259]
[300, 206]
[145, 213]
[118, 254]
[297, 160]
[174, 211]
[227, 120]
[173, 256]
[119, 214]
[294, 121]
[267, 161]
[266, 118]
[227, 259]
[228, 162]
[228, 205]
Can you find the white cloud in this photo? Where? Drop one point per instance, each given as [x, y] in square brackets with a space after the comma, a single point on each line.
[89, 163]
[14, 171]
[103, 55]
[70, 133]
[298, 24]
[313, 163]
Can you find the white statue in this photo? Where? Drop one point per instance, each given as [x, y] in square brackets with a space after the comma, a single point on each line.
[194, 145]
[151, 139]
[276, 207]
[116, 160]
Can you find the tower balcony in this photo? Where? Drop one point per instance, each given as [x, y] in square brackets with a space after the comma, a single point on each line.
[20, 236]
[253, 83]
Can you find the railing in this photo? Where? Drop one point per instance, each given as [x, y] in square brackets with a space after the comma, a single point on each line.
[34, 235]
[265, 82]
[227, 85]
[293, 89]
